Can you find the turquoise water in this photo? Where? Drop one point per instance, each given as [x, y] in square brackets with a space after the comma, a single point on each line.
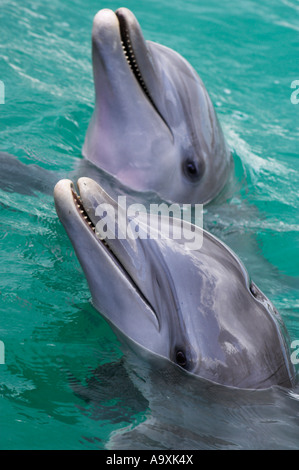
[247, 55]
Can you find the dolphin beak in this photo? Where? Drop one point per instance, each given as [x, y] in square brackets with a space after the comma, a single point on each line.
[118, 34]
[98, 255]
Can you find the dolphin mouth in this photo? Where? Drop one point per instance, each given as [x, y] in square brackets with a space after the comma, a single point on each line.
[127, 44]
[130, 55]
[86, 219]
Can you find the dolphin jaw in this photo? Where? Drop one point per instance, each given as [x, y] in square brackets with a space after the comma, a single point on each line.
[112, 31]
[130, 56]
[69, 202]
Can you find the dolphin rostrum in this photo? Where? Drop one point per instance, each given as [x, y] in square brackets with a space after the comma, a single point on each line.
[195, 307]
[154, 126]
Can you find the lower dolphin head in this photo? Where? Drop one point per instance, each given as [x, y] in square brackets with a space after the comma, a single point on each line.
[154, 126]
[196, 308]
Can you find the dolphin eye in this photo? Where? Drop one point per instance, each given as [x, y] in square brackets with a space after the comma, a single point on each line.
[256, 293]
[181, 358]
[192, 169]
[253, 290]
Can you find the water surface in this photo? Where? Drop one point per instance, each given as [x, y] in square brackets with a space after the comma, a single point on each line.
[64, 384]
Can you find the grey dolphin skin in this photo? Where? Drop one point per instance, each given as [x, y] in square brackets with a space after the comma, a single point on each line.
[29, 179]
[153, 126]
[196, 308]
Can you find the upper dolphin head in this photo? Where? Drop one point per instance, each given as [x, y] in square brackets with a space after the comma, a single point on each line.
[195, 307]
[154, 126]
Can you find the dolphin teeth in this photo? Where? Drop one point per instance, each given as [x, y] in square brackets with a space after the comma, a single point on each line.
[127, 47]
[82, 211]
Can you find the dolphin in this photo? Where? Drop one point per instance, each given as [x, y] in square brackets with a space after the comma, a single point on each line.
[196, 308]
[154, 126]
[26, 179]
